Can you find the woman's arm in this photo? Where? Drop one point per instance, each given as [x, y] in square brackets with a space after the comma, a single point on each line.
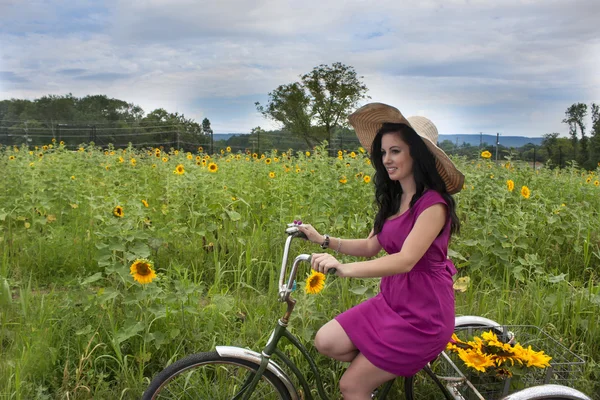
[426, 229]
[368, 247]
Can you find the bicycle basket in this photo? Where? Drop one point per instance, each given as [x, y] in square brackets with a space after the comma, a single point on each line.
[565, 366]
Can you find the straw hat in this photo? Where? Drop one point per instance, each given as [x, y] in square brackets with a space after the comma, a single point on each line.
[368, 119]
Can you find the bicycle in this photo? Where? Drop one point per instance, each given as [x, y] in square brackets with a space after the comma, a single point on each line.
[240, 374]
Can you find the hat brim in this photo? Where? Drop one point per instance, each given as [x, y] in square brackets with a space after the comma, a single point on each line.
[368, 120]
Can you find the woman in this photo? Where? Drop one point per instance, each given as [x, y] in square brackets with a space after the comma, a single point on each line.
[405, 326]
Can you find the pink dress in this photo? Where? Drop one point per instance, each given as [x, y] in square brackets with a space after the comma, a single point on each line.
[411, 320]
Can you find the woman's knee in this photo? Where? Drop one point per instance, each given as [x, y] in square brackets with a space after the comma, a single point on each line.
[324, 342]
[331, 340]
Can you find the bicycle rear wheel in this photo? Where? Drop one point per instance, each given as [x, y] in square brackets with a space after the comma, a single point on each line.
[212, 377]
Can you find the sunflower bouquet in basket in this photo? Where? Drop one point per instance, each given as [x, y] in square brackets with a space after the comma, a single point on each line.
[488, 355]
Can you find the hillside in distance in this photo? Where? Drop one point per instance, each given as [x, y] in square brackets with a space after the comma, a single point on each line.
[490, 140]
[473, 140]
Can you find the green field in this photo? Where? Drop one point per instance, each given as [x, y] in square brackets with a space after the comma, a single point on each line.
[75, 325]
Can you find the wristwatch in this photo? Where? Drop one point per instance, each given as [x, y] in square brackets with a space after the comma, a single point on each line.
[325, 243]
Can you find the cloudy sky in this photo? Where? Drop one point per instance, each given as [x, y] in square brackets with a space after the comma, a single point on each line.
[508, 66]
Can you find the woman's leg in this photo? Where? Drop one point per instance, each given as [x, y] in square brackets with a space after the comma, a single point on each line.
[331, 340]
[362, 378]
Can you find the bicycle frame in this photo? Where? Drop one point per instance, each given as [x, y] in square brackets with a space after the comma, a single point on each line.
[280, 330]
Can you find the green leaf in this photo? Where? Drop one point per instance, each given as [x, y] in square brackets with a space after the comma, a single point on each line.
[233, 215]
[141, 250]
[5, 294]
[557, 278]
[129, 331]
[360, 290]
[223, 303]
[84, 331]
[91, 279]
[116, 246]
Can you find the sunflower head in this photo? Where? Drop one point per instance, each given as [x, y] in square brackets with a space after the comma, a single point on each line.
[367, 179]
[179, 170]
[142, 271]
[315, 282]
[525, 192]
[118, 212]
[510, 185]
[486, 154]
[212, 167]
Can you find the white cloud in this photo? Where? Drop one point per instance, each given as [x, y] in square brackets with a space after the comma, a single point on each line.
[469, 65]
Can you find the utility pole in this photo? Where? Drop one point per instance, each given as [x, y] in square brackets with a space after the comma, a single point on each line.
[534, 157]
[497, 143]
[480, 140]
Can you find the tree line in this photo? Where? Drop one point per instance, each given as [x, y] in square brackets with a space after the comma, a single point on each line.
[308, 111]
[97, 119]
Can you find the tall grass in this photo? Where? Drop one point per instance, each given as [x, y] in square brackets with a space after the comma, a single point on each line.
[75, 325]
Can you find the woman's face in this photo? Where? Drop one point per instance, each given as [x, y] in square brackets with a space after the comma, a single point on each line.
[395, 155]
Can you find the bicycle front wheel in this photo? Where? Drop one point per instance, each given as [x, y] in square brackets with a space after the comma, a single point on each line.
[212, 377]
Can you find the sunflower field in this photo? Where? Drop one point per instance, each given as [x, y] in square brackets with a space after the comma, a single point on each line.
[115, 263]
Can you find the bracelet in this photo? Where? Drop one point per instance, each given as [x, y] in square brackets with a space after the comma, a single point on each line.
[325, 242]
[339, 245]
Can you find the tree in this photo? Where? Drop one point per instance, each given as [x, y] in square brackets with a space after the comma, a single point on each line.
[595, 136]
[574, 118]
[207, 130]
[312, 108]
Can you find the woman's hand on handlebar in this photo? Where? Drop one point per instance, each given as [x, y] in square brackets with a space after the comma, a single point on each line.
[311, 233]
[322, 262]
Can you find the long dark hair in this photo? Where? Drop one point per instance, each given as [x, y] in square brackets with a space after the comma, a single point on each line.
[388, 192]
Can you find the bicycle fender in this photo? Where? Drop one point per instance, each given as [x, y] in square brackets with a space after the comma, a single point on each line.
[473, 320]
[249, 355]
[547, 392]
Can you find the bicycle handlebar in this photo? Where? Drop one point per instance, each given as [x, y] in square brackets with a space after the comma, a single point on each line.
[286, 288]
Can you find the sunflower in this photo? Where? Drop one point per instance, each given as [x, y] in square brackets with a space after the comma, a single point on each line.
[340, 157]
[228, 149]
[535, 358]
[145, 203]
[353, 154]
[118, 212]
[271, 174]
[340, 153]
[212, 167]
[588, 180]
[11, 157]
[596, 183]
[343, 180]
[315, 282]
[189, 156]
[367, 179]
[200, 149]
[142, 271]
[133, 161]
[510, 185]
[486, 154]
[121, 159]
[267, 161]
[525, 192]
[475, 359]
[307, 154]
[165, 159]
[361, 149]
[179, 170]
